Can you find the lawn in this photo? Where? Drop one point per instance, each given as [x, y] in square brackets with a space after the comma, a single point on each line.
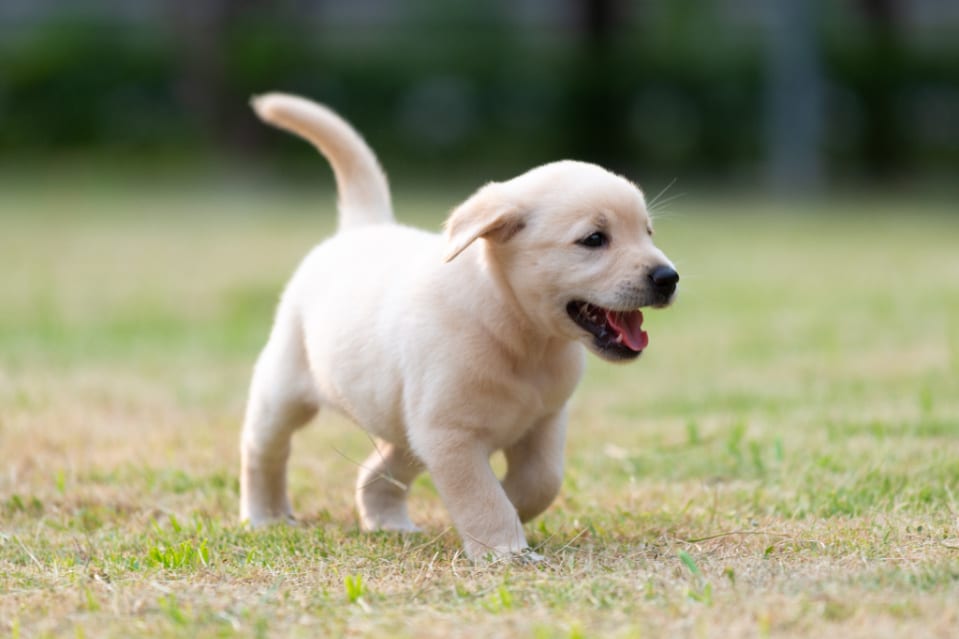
[783, 461]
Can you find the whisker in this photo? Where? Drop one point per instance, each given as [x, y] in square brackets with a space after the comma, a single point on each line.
[652, 203]
[379, 475]
[661, 203]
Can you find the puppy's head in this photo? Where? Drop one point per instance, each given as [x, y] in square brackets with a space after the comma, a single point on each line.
[574, 244]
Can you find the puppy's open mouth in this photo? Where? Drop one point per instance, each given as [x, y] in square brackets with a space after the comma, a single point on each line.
[618, 334]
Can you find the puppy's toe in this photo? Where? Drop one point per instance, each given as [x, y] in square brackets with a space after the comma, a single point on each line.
[264, 522]
[524, 557]
[407, 528]
[527, 557]
[392, 524]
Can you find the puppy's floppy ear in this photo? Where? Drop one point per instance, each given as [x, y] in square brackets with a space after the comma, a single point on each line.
[486, 214]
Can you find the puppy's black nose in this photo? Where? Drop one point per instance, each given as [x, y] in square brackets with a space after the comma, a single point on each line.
[664, 279]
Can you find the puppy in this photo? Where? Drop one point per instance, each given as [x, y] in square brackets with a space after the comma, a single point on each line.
[449, 348]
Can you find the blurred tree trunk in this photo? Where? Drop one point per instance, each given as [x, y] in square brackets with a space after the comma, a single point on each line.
[884, 145]
[202, 29]
[794, 97]
[599, 19]
[598, 101]
[199, 28]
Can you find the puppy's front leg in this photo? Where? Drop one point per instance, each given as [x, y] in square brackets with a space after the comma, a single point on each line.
[481, 511]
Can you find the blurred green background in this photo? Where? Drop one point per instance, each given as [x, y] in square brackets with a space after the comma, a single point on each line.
[127, 146]
[781, 94]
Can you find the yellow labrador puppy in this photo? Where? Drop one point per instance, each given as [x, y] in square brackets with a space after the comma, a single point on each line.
[449, 348]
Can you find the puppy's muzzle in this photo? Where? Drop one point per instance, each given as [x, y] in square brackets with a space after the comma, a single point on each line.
[663, 280]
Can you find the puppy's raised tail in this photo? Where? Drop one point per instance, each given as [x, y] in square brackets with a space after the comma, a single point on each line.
[364, 194]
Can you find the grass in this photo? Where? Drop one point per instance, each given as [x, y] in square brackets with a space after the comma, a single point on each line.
[784, 461]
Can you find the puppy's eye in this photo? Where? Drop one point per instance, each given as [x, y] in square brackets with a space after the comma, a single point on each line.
[594, 240]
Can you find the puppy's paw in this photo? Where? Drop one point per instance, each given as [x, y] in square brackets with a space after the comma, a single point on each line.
[406, 528]
[269, 520]
[400, 524]
[525, 556]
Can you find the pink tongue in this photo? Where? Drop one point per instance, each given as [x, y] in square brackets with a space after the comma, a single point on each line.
[630, 326]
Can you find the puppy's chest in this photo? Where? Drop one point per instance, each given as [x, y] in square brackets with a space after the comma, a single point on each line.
[555, 379]
[545, 393]
[532, 397]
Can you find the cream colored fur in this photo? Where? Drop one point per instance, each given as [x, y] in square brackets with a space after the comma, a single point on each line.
[445, 349]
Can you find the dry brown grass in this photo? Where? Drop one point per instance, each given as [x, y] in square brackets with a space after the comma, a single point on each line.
[783, 463]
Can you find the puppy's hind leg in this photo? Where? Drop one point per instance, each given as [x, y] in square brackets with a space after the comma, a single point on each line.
[382, 487]
[534, 472]
[282, 399]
